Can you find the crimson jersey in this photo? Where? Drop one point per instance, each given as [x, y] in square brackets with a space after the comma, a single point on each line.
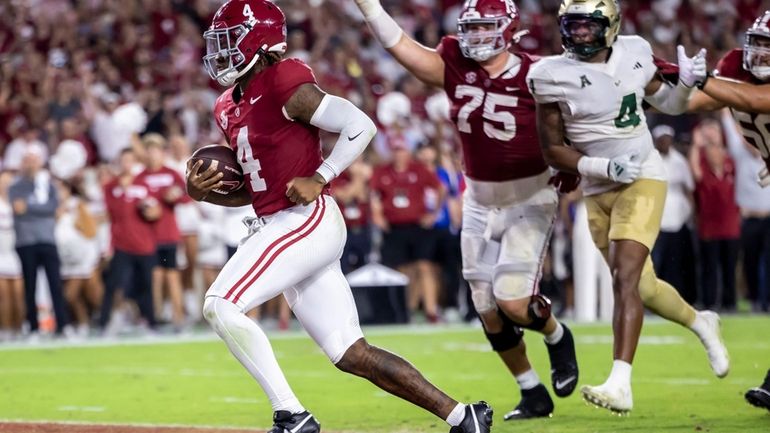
[271, 149]
[131, 233]
[159, 181]
[495, 117]
[755, 126]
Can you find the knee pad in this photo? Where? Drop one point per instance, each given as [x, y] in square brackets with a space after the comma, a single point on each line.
[539, 311]
[508, 338]
[214, 306]
[482, 296]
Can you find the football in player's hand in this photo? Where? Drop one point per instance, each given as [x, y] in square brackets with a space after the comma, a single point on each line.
[232, 175]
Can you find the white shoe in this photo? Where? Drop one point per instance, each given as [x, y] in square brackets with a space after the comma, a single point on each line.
[710, 335]
[615, 398]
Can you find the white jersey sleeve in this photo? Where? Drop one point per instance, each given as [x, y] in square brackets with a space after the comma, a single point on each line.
[542, 84]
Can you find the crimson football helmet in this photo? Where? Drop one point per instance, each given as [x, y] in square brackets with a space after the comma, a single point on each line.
[242, 31]
[487, 27]
[756, 49]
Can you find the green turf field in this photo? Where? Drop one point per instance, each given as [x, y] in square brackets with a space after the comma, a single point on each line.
[200, 383]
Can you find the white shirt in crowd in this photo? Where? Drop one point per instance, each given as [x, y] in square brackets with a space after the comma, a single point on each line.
[112, 131]
[748, 194]
[17, 148]
[677, 210]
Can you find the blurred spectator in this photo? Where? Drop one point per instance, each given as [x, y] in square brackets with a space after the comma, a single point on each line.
[11, 288]
[399, 192]
[754, 202]
[79, 255]
[188, 218]
[168, 187]
[132, 210]
[673, 255]
[446, 228]
[34, 201]
[27, 141]
[718, 214]
[351, 190]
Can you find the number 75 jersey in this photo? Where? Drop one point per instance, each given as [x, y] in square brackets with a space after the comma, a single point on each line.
[495, 117]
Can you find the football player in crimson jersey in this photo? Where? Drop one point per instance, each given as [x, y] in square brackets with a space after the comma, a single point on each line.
[742, 85]
[271, 115]
[509, 206]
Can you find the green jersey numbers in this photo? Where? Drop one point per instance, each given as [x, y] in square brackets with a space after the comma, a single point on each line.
[627, 115]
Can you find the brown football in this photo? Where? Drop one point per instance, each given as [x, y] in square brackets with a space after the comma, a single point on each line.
[227, 165]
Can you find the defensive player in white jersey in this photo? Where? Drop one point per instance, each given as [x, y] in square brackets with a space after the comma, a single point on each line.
[509, 206]
[590, 121]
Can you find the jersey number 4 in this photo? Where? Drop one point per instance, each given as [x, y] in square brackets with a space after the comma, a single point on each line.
[755, 131]
[249, 165]
[627, 115]
[491, 101]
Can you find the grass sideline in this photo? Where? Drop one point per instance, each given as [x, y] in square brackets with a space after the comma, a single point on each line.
[200, 383]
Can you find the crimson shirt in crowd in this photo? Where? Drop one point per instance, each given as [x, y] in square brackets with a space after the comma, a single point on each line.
[158, 182]
[131, 233]
[718, 214]
[403, 193]
[355, 212]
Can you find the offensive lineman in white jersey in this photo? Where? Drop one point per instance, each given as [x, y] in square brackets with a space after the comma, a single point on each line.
[591, 97]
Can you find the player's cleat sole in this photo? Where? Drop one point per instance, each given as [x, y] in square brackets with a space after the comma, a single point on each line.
[564, 367]
[287, 422]
[478, 419]
[616, 401]
[713, 343]
[535, 403]
[758, 397]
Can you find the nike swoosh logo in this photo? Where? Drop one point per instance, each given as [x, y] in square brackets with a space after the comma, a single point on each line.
[355, 136]
[560, 385]
[253, 100]
[511, 89]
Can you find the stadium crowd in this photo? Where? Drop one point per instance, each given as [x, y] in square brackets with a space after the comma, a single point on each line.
[95, 94]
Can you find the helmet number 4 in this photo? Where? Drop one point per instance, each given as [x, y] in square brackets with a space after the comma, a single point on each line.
[491, 101]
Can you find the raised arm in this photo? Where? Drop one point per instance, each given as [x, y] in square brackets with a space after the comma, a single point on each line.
[424, 63]
[746, 97]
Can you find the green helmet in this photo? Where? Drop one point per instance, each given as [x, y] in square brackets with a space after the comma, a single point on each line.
[601, 16]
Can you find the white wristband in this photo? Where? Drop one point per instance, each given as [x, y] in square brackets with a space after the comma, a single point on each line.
[385, 28]
[594, 167]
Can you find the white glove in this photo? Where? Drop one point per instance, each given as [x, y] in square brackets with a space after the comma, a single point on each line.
[370, 8]
[764, 177]
[624, 169]
[692, 70]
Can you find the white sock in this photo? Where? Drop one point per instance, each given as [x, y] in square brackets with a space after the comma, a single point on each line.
[528, 379]
[555, 336]
[699, 326]
[620, 374]
[456, 416]
[250, 345]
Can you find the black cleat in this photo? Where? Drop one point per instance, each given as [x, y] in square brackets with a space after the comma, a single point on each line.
[760, 396]
[478, 419]
[535, 403]
[287, 422]
[564, 367]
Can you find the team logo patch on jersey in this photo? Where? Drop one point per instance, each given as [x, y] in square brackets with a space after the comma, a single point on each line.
[584, 81]
[223, 120]
[470, 77]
